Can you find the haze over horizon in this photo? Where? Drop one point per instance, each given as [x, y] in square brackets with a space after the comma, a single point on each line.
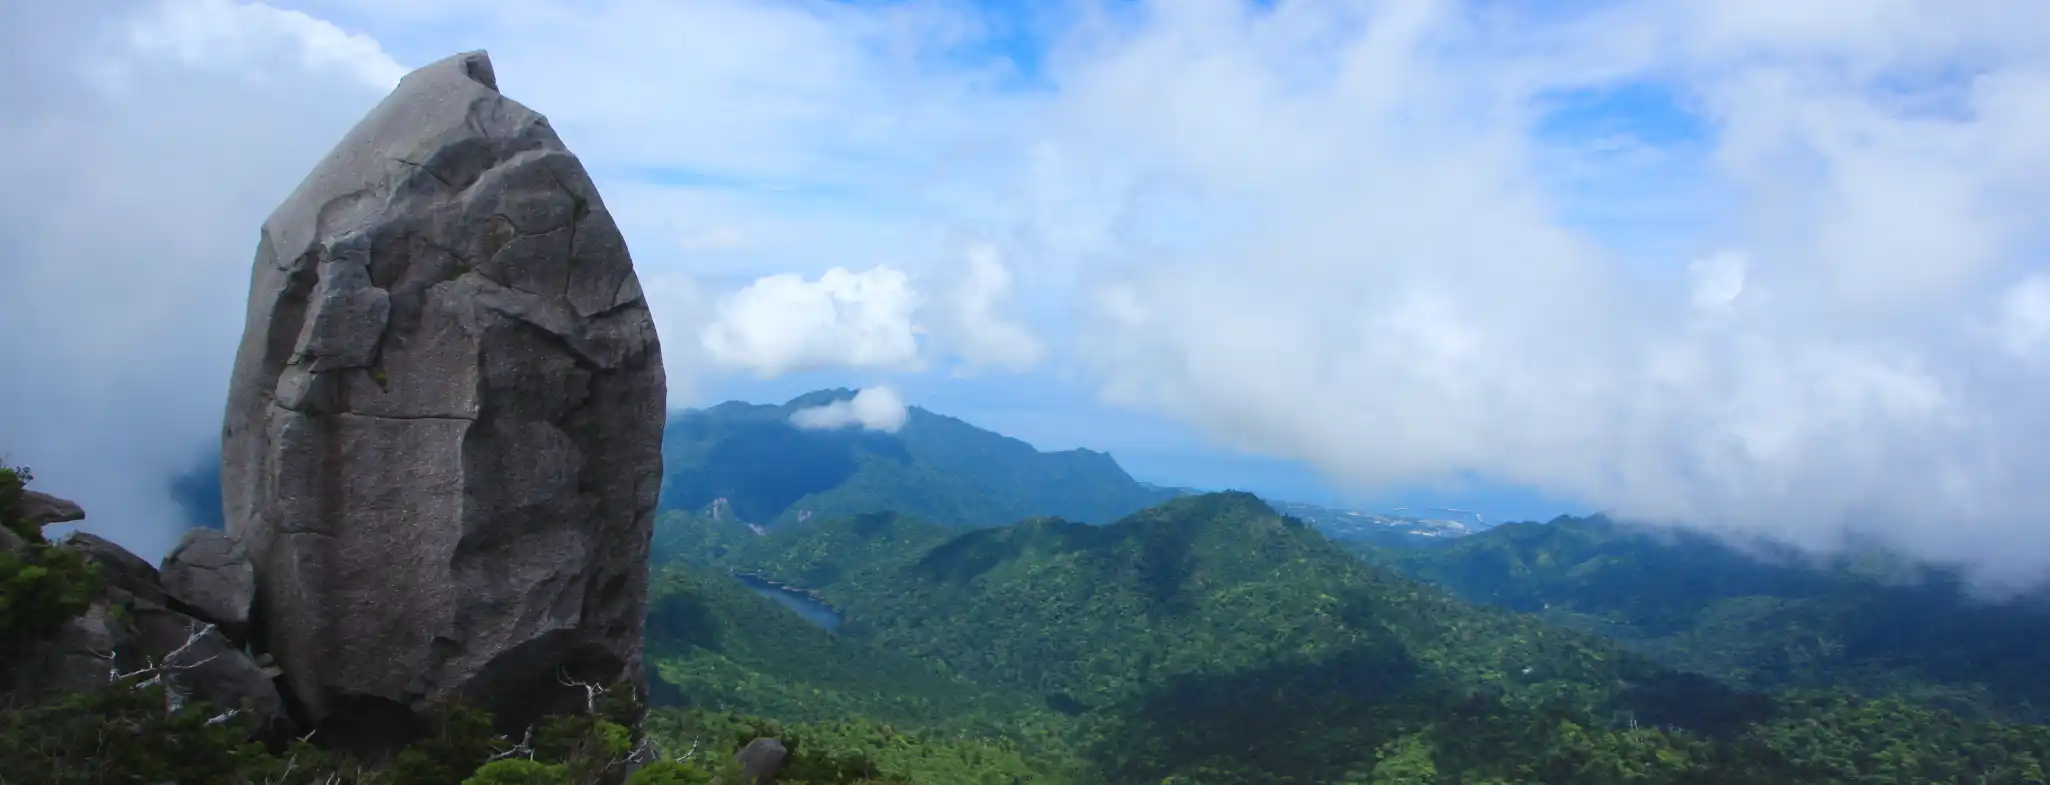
[1760, 268]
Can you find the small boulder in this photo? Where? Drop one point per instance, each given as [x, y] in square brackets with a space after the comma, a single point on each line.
[760, 760]
[210, 573]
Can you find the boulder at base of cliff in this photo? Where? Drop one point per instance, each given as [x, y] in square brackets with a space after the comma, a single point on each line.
[210, 573]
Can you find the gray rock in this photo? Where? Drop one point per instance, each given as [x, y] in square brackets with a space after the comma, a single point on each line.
[9, 541]
[760, 760]
[207, 667]
[42, 509]
[443, 436]
[78, 657]
[209, 572]
[119, 567]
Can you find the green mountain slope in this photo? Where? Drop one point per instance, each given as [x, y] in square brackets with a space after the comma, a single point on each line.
[935, 467]
[1209, 638]
[1697, 604]
[726, 661]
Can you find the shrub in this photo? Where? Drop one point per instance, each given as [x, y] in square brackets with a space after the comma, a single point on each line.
[41, 585]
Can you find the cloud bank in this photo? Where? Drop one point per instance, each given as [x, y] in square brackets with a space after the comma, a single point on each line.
[146, 143]
[873, 408]
[1852, 348]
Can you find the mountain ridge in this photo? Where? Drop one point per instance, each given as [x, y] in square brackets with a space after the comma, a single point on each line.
[772, 472]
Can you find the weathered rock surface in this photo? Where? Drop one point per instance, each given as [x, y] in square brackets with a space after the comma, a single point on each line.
[442, 444]
[120, 568]
[42, 509]
[77, 658]
[134, 624]
[760, 760]
[206, 666]
[210, 573]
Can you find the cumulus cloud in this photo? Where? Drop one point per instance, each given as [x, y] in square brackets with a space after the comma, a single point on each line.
[873, 408]
[872, 320]
[786, 323]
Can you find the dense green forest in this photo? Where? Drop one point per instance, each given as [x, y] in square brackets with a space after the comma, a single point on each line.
[935, 467]
[1211, 640]
[1760, 620]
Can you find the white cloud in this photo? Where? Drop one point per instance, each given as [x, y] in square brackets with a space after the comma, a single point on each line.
[873, 408]
[2025, 316]
[974, 323]
[681, 308]
[1718, 280]
[786, 323]
[1406, 304]
[248, 39]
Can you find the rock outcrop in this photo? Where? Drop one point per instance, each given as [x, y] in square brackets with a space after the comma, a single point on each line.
[134, 624]
[443, 437]
[42, 509]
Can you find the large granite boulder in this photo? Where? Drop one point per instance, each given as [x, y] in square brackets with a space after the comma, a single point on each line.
[443, 437]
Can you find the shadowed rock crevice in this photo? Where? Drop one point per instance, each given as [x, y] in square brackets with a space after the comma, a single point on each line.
[442, 445]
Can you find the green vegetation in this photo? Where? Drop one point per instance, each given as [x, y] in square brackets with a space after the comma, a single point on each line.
[721, 647]
[861, 750]
[131, 730]
[41, 585]
[126, 732]
[1759, 622]
[935, 467]
[727, 658]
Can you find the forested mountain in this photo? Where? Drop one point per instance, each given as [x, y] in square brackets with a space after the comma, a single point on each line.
[1758, 620]
[1210, 640]
[768, 470]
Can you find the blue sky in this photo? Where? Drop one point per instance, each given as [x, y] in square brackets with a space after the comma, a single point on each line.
[1758, 268]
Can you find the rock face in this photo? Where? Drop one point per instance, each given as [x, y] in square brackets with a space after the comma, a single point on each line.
[211, 574]
[42, 509]
[443, 438]
[133, 624]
